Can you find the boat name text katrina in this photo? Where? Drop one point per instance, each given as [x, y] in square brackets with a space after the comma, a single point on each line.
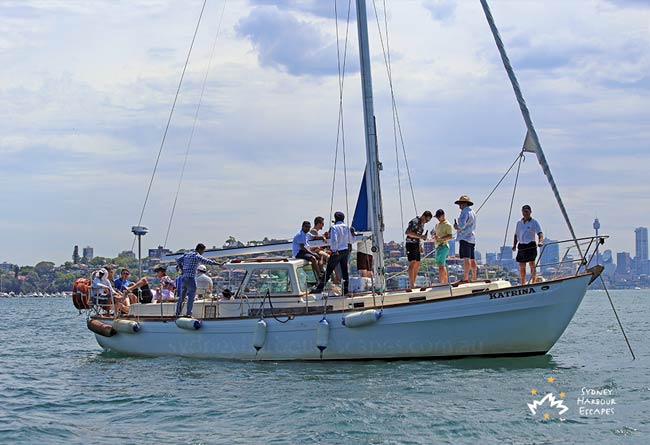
[511, 293]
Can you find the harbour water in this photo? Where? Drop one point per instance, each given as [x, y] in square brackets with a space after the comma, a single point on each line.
[58, 386]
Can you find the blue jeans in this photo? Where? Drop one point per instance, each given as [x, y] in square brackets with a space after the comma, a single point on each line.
[188, 288]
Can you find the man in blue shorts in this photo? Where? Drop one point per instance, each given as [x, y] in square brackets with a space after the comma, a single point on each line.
[465, 235]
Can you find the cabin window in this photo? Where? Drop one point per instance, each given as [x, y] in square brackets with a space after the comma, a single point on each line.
[276, 281]
[306, 278]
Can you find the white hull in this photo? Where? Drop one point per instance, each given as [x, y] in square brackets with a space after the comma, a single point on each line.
[502, 322]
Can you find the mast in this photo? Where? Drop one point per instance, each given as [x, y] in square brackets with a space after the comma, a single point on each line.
[373, 166]
[532, 134]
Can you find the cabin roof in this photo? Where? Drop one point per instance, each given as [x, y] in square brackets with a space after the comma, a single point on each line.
[264, 262]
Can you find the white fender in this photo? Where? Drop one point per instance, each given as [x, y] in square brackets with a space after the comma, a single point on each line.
[191, 324]
[322, 334]
[362, 318]
[259, 337]
[126, 326]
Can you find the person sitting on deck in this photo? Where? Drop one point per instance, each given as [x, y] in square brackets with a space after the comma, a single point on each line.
[167, 286]
[104, 292]
[301, 249]
[123, 281]
[139, 291]
[204, 285]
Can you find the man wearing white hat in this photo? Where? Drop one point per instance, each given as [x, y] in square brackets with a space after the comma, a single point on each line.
[465, 227]
[204, 285]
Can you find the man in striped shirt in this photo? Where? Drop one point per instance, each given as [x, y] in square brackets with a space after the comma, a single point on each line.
[188, 263]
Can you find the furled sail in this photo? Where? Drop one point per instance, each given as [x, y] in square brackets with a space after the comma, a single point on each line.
[360, 221]
[529, 144]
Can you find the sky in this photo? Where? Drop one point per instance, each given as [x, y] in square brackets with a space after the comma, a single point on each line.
[86, 89]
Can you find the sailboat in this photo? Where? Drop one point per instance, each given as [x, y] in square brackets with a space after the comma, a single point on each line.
[273, 316]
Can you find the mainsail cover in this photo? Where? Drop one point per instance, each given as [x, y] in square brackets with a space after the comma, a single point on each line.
[360, 221]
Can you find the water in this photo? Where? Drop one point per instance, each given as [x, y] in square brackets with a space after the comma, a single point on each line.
[57, 386]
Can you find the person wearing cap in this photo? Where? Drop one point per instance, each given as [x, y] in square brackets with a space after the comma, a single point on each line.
[189, 262]
[340, 244]
[300, 248]
[167, 286]
[465, 227]
[204, 285]
[414, 233]
[524, 242]
[442, 233]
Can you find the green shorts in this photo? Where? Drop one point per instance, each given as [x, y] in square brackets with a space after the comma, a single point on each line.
[441, 254]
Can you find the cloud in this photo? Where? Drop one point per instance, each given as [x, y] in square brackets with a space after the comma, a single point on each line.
[87, 87]
[441, 10]
[314, 7]
[296, 46]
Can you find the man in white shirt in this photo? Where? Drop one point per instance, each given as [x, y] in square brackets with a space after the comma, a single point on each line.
[340, 242]
[204, 285]
[524, 243]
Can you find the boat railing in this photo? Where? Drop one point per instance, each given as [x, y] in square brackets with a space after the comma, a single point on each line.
[568, 265]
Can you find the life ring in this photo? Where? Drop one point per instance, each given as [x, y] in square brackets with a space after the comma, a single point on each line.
[80, 292]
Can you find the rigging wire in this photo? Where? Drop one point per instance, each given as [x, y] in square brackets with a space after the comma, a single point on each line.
[512, 200]
[340, 128]
[395, 141]
[196, 117]
[169, 119]
[521, 155]
[616, 315]
[394, 101]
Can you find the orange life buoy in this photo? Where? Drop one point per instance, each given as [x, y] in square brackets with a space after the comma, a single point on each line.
[80, 293]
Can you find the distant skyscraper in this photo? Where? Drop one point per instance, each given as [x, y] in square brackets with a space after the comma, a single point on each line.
[491, 258]
[506, 253]
[75, 255]
[641, 243]
[623, 263]
[550, 256]
[88, 253]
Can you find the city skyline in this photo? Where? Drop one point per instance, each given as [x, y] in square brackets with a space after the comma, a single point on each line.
[158, 251]
[88, 87]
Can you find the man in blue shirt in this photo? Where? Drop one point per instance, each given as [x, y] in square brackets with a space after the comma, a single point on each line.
[300, 248]
[340, 243]
[123, 281]
[188, 262]
[465, 227]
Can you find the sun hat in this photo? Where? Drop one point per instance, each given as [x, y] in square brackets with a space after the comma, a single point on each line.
[465, 199]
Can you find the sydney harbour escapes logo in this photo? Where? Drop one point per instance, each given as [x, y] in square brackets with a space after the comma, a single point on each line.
[549, 405]
[590, 403]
